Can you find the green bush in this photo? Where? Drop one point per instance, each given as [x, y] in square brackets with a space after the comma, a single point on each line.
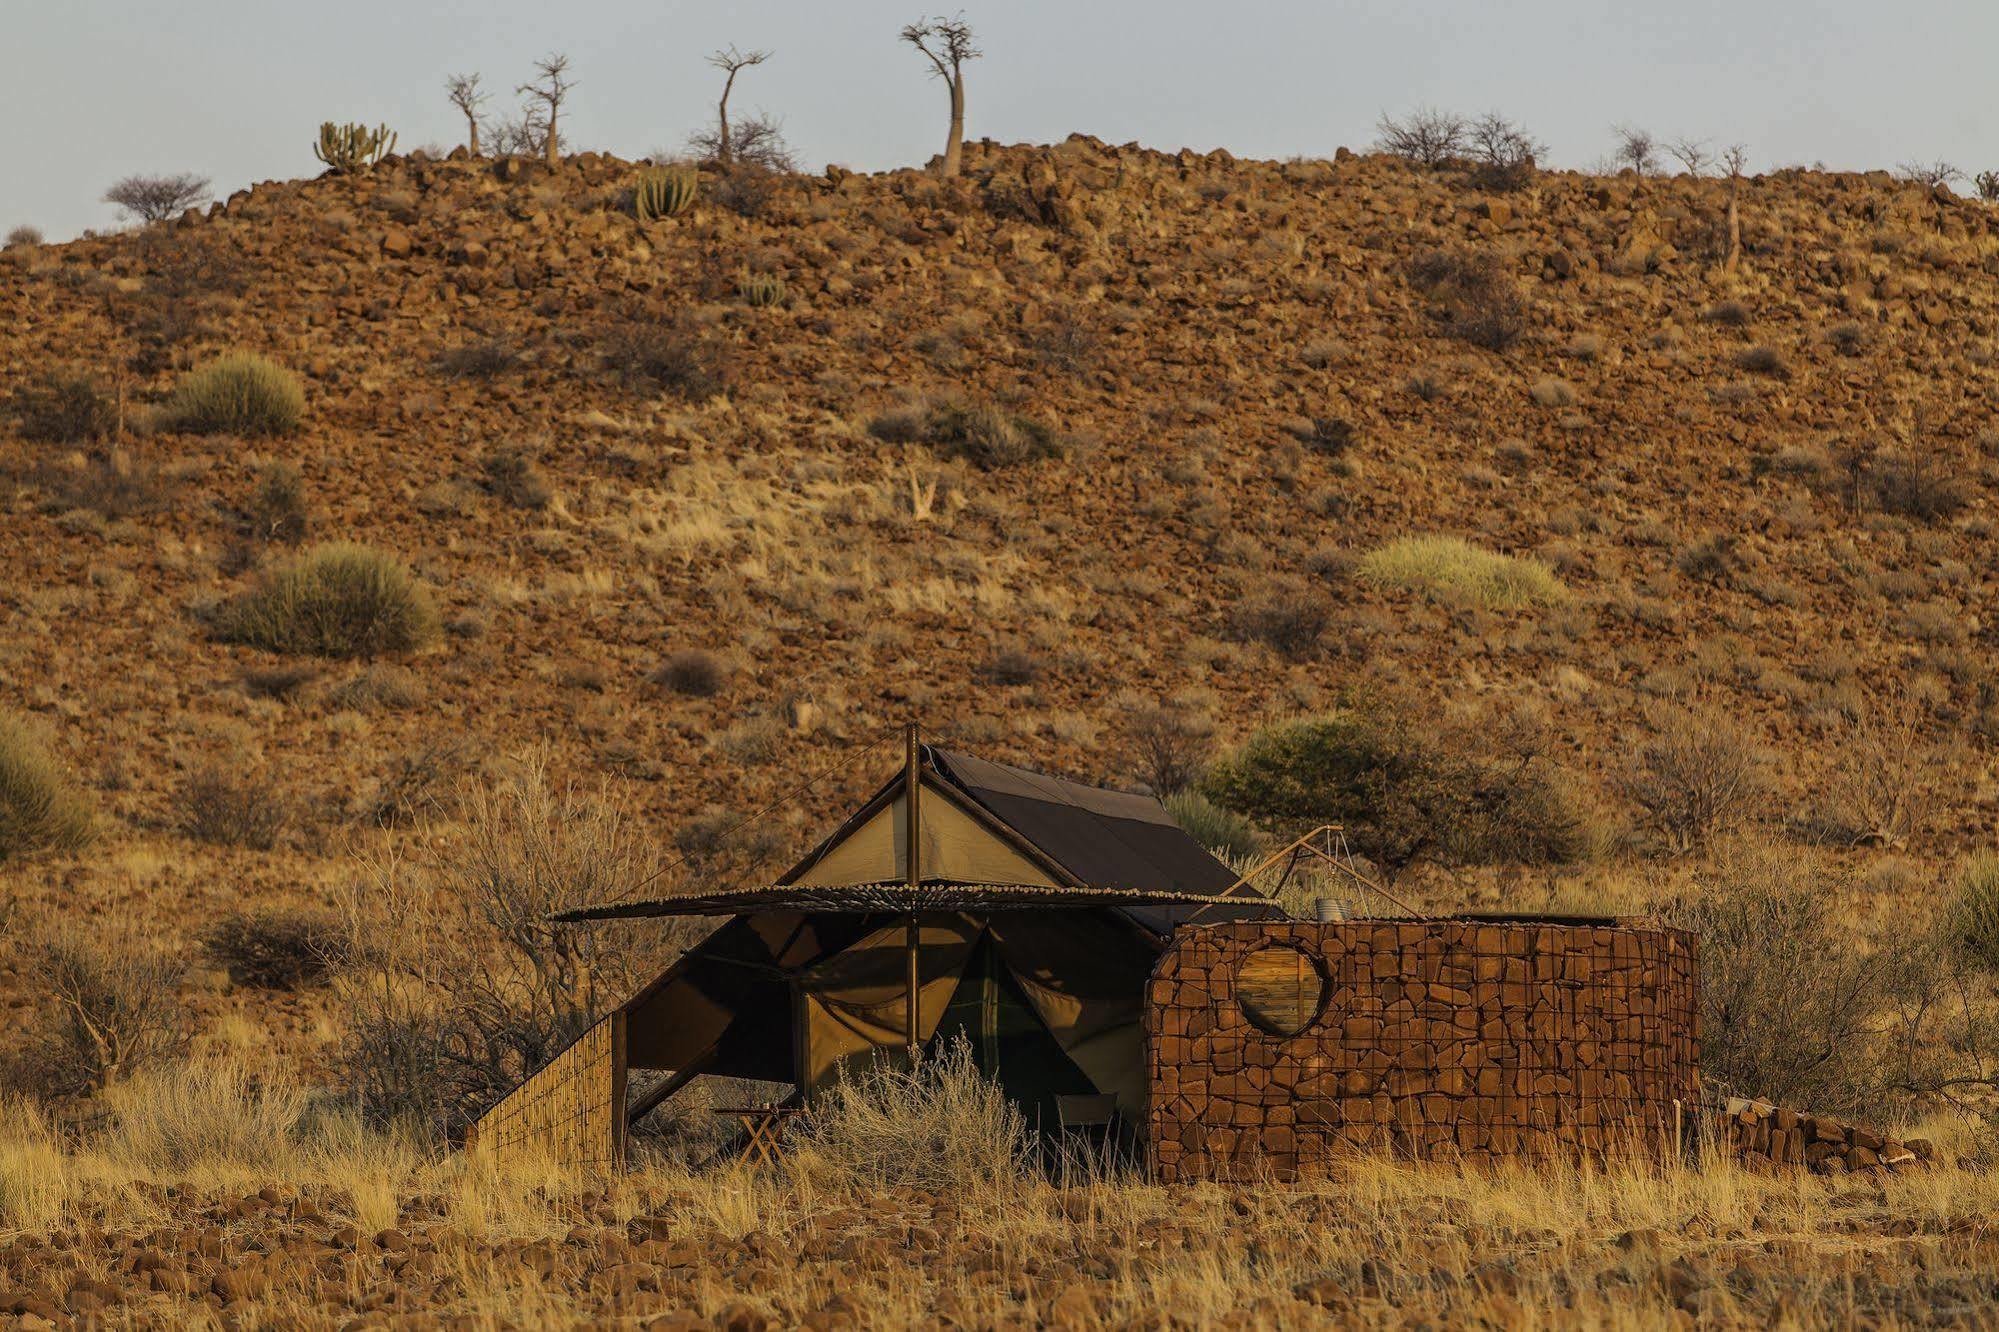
[1456, 569]
[335, 600]
[1403, 791]
[1222, 831]
[1975, 915]
[39, 808]
[238, 394]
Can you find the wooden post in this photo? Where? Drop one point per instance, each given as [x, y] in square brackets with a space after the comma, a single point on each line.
[913, 874]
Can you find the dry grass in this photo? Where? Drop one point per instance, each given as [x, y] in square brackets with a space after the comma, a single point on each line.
[1456, 570]
[39, 807]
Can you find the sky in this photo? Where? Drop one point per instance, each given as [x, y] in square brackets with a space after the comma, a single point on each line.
[235, 89]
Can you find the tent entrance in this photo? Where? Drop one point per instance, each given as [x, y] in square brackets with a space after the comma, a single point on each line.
[1010, 1044]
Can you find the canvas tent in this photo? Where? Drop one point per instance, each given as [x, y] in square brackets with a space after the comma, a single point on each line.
[1022, 912]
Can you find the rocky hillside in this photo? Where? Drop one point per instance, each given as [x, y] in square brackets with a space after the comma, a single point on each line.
[696, 525]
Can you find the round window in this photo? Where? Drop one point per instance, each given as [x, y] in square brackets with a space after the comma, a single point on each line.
[1280, 989]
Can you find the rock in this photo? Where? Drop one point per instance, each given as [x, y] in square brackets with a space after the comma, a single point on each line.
[396, 243]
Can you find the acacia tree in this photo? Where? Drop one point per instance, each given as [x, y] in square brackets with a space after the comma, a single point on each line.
[1637, 149]
[157, 198]
[1692, 154]
[463, 89]
[549, 91]
[947, 44]
[1426, 136]
[731, 62]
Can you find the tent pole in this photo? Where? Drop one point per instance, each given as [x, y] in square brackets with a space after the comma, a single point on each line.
[912, 789]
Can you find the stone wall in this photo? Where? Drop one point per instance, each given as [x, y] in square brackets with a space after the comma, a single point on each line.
[1760, 1132]
[1435, 1039]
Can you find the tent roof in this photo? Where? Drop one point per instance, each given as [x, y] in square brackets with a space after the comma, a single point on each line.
[865, 898]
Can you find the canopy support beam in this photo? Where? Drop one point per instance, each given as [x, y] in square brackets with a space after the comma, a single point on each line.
[912, 774]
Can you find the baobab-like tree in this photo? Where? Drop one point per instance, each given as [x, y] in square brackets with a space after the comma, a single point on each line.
[549, 91]
[731, 62]
[463, 89]
[947, 44]
[1735, 160]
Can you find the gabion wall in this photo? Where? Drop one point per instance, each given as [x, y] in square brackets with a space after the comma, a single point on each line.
[1435, 1039]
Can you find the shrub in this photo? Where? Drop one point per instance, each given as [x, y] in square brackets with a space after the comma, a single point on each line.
[1504, 153]
[65, 409]
[1786, 998]
[24, 236]
[1454, 568]
[238, 394]
[987, 436]
[1425, 136]
[1763, 360]
[1289, 620]
[1014, 667]
[378, 688]
[158, 198]
[745, 189]
[277, 948]
[1403, 791]
[224, 807]
[1729, 314]
[672, 355]
[1222, 831]
[482, 359]
[1330, 435]
[1168, 746]
[277, 511]
[1551, 392]
[1480, 302]
[415, 784]
[111, 1007]
[939, 1126]
[692, 672]
[39, 808]
[509, 473]
[1848, 339]
[1921, 487]
[335, 600]
[1698, 775]
[107, 482]
[1974, 918]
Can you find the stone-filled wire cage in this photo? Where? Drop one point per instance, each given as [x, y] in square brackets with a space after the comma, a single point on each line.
[1282, 1046]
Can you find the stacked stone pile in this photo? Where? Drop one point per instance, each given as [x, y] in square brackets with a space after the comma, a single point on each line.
[1760, 1132]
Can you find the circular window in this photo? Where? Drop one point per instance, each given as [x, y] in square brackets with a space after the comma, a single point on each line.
[1280, 989]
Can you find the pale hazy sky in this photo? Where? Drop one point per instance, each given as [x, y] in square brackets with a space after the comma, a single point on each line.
[235, 89]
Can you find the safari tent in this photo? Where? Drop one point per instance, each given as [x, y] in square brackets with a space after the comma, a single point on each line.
[965, 899]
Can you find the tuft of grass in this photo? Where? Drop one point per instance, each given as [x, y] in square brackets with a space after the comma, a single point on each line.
[335, 600]
[1975, 913]
[176, 1119]
[238, 394]
[39, 808]
[1223, 831]
[1454, 568]
[939, 1125]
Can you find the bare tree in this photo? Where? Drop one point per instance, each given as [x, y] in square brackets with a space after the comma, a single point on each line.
[154, 199]
[1692, 154]
[546, 96]
[1929, 175]
[1637, 149]
[1734, 161]
[947, 44]
[1425, 135]
[1505, 152]
[731, 62]
[463, 89]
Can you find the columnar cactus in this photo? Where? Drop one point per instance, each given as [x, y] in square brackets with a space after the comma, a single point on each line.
[761, 290]
[348, 148]
[665, 192]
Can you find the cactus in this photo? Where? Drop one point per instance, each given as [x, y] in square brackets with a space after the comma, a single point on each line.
[761, 290]
[665, 192]
[348, 148]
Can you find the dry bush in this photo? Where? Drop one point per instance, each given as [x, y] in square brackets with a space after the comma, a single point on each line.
[238, 394]
[1013, 667]
[1884, 781]
[225, 806]
[1503, 153]
[483, 358]
[462, 1006]
[990, 437]
[277, 948]
[1404, 788]
[377, 689]
[1287, 619]
[1453, 568]
[676, 356]
[277, 511]
[745, 188]
[1787, 995]
[1974, 912]
[1729, 314]
[335, 600]
[1763, 360]
[24, 237]
[64, 408]
[154, 199]
[1922, 487]
[1698, 775]
[691, 672]
[1425, 136]
[1476, 292]
[105, 482]
[509, 473]
[416, 785]
[40, 808]
[938, 1125]
[1167, 746]
[110, 1006]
